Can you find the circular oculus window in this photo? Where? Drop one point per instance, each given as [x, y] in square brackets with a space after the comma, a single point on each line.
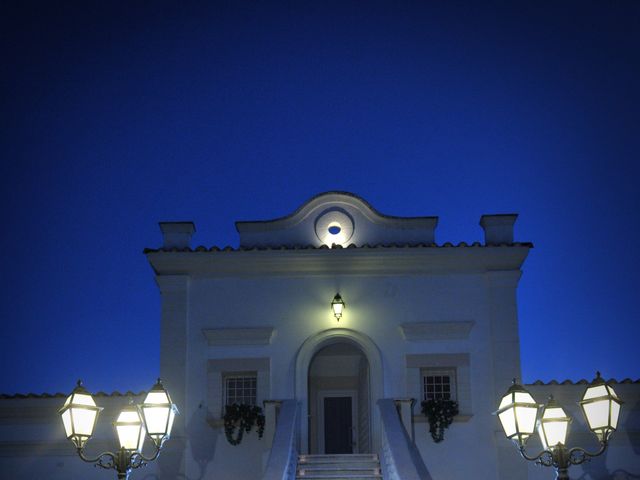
[334, 227]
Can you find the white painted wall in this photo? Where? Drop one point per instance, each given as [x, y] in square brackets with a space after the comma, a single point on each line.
[402, 303]
[290, 291]
[298, 308]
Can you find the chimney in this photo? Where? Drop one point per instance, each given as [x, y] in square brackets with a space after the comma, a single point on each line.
[177, 234]
[498, 228]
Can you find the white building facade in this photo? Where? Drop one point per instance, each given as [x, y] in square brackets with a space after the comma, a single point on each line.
[253, 324]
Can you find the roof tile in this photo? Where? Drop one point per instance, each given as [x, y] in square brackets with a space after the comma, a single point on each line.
[583, 382]
[366, 246]
[6, 396]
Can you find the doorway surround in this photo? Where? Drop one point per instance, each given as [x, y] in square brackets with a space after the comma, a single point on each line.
[305, 355]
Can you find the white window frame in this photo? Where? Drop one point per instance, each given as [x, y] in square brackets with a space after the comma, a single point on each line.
[227, 376]
[439, 372]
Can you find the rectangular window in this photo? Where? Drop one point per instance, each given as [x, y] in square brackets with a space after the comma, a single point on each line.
[240, 388]
[439, 384]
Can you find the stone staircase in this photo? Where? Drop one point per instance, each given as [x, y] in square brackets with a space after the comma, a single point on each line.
[339, 467]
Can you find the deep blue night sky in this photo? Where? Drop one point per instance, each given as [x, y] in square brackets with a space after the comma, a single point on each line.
[119, 114]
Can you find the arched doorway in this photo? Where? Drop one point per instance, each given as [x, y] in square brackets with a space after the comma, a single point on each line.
[339, 380]
[339, 400]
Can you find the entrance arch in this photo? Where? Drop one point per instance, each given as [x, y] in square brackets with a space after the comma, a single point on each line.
[305, 355]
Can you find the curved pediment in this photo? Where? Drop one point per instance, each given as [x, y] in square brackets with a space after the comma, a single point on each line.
[336, 218]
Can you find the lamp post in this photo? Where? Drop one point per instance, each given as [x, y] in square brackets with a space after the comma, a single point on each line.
[153, 419]
[519, 416]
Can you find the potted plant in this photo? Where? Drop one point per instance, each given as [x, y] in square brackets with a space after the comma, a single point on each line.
[439, 414]
[240, 418]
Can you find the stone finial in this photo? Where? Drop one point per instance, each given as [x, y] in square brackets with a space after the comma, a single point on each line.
[177, 234]
[498, 228]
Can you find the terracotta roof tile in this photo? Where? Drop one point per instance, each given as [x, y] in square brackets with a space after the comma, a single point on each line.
[202, 248]
[6, 396]
[583, 382]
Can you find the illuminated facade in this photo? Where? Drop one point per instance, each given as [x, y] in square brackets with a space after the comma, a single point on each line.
[422, 320]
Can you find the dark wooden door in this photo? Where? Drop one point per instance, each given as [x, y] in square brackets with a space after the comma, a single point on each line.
[337, 425]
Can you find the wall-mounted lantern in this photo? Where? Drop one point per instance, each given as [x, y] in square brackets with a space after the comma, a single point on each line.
[337, 305]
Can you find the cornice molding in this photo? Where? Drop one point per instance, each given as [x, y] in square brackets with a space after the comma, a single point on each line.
[396, 261]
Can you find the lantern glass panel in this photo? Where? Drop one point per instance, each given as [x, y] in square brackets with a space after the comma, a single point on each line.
[595, 391]
[66, 420]
[553, 427]
[172, 416]
[508, 421]
[157, 411]
[130, 430]
[506, 400]
[83, 420]
[83, 399]
[523, 397]
[597, 413]
[337, 309]
[526, 417]
[157, 397]
[156, 419]
[615, 414]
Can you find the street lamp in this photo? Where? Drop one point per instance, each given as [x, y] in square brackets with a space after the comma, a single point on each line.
[154, 418]
[518, 412]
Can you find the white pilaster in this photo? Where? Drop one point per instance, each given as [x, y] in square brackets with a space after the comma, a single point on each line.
[174, 290]
[505, 355]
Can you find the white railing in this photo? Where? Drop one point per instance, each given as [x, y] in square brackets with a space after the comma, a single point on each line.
[283, 458]
[399, 456]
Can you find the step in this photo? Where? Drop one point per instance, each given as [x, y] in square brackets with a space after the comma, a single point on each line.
[373, 468]
[339, 464]
[340, 458]
[340, 476]
[359, 466]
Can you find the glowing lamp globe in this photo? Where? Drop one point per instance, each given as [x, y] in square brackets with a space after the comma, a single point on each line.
[79, 415]
[158, 413]
[130, 429]
[601, 407]
[337, 305]
[517, 413]
[553, 425]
